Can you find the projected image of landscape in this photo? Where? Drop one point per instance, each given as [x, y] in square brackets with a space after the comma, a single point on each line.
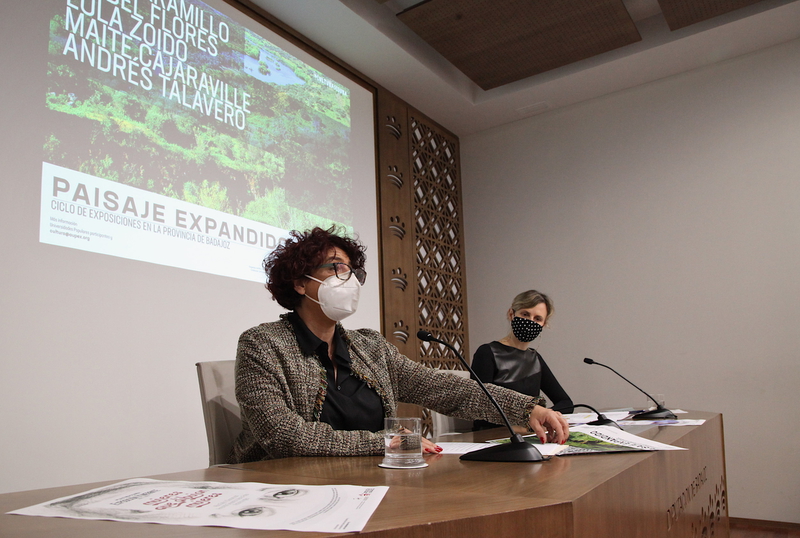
[182, 138]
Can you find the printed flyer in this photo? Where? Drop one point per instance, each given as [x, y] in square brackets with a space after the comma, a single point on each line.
[243, 505]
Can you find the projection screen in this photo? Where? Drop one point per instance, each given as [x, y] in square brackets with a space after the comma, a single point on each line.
[180, 133]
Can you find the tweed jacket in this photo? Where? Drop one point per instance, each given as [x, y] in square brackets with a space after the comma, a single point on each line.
[281, 393]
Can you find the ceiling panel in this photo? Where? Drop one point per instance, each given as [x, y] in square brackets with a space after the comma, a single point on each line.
[495, 43]
[681, 13]
[368, 35]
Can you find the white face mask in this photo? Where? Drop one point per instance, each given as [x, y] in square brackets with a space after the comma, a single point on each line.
[337, 298]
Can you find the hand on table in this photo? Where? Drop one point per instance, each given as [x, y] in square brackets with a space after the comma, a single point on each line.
[550, 426]
[429, 447]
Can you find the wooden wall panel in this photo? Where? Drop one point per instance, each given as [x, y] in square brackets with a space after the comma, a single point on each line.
[422, 255]
[395, 186]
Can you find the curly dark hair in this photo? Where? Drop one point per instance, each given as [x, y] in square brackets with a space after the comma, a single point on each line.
[300, 255]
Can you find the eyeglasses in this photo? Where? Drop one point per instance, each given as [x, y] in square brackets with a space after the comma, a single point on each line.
[344, 271]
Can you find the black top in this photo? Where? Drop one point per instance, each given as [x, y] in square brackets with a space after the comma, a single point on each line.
[522, 370]
[350, 404]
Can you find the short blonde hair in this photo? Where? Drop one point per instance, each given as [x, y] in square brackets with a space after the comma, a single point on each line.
[531, 298]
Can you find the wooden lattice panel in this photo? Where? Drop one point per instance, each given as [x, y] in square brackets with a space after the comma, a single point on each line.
[438, 240]
[422, 258]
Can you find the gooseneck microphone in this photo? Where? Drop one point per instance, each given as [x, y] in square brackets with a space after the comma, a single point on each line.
[601, 420]
[659, 413]
[518, 449]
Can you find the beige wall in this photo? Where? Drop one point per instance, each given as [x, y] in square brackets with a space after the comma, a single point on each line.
[665, 222]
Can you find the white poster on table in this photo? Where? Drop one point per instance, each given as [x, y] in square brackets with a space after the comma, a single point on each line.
[243, 505]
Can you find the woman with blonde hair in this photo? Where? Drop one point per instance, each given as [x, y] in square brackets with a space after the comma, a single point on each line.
[511, 363]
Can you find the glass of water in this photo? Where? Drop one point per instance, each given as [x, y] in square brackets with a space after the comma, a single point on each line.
[648, 405]
[403, 441]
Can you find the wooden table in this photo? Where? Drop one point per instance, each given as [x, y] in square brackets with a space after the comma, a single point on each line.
[644, 494]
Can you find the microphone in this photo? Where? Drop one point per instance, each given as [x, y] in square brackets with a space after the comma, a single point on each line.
[601, 420]
[660, 412]
[518, 449]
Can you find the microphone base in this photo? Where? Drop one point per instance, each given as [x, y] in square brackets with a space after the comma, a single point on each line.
[660, 413]
[514, 451]
[603, 420]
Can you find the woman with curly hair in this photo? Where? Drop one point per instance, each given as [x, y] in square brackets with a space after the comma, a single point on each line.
[309, 387]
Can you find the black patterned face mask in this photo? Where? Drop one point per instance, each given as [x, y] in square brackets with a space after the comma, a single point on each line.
[525, 330]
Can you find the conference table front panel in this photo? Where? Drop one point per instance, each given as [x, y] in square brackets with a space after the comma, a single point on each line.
[646, 494]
